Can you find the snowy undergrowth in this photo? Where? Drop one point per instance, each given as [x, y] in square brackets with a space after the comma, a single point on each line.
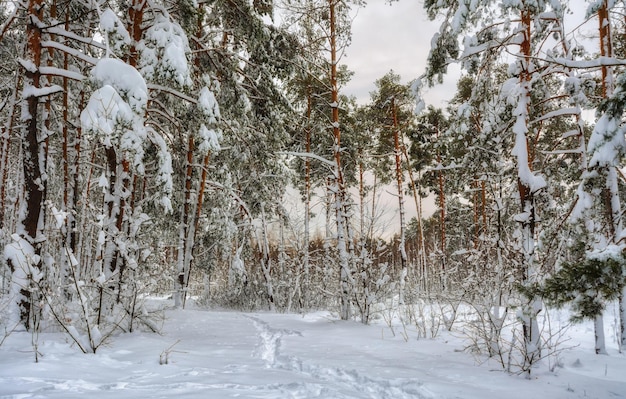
[218, 354]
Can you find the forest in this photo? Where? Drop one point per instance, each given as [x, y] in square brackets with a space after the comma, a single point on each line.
[148, 148]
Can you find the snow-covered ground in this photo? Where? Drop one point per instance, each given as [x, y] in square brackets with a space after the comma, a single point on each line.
[219, 354]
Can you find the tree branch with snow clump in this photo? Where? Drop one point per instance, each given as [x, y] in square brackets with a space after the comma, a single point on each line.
[21, 257]
[126, 80]
[116, 35]
[210, 137]
[164, 52]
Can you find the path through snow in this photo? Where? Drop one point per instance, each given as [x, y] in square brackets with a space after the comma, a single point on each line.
[335, 382]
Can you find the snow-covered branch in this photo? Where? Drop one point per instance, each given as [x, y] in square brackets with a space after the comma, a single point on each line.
[174, 92]
[308, 155]
[587, 64]
[31, 91]
[55, 30]
[71, 51]
[8, 23]
[63, 73]
[557, 113]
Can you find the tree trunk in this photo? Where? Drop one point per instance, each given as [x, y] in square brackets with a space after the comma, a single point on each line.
[442, 221]
[622, 313]
[341, 206]
[307, 203]
[122, 224]
[599, 335]
[532, 339]
[612, 203]
[420, 229]
[135, 14]
[34, 150]
[196, 223]
[606, 48]
[5, 137]
[266, 262]
[185, 227]
[398, 159]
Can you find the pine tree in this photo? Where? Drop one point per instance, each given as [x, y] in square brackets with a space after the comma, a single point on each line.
[391, 112]
[587, 283]
[532, 108]
[330, 18]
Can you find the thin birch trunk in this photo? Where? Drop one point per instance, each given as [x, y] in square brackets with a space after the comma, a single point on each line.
[442, 221]
[185, 224]
[7, 132]
[266, 262]
[307, 203]
[420, 232]
[399, 173]
[191, 242]
[600, 340]
[365, 274]
[196, 224]
[622, 313]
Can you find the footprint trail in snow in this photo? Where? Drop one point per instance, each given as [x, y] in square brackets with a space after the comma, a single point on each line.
[336, 382]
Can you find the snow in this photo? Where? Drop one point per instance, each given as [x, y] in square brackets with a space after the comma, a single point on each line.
[32, 91]
[125, 79]
[416, 89]
[28, 65]
[61, 73]
[165, 172]
[21, 254]
[221, 354]
[104, 111]
[103, 181]
[117, 36]
[164, 51]
[237, 270]
[59, 216]
[210, 139]
[611, 251]
[115, 111]
[209, 106]
[533, 181]
[607, 142]
[69, 50]
[108, 20]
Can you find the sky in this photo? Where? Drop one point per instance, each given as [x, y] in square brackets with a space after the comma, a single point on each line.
[393, 37]
[398, 37]
[386, 37]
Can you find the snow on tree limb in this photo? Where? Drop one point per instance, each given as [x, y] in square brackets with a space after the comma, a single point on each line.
[62, 73]
[31, 91]
[309, 155]
[174, 92]
[126, 80]
[69, 50]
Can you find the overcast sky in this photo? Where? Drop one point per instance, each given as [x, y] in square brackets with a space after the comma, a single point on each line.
[386, 37]
[398, 36]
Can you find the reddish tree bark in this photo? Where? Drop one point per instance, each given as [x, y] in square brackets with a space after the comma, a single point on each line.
[34, 149]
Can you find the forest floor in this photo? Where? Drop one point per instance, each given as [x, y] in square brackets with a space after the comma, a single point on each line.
[223, 354]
